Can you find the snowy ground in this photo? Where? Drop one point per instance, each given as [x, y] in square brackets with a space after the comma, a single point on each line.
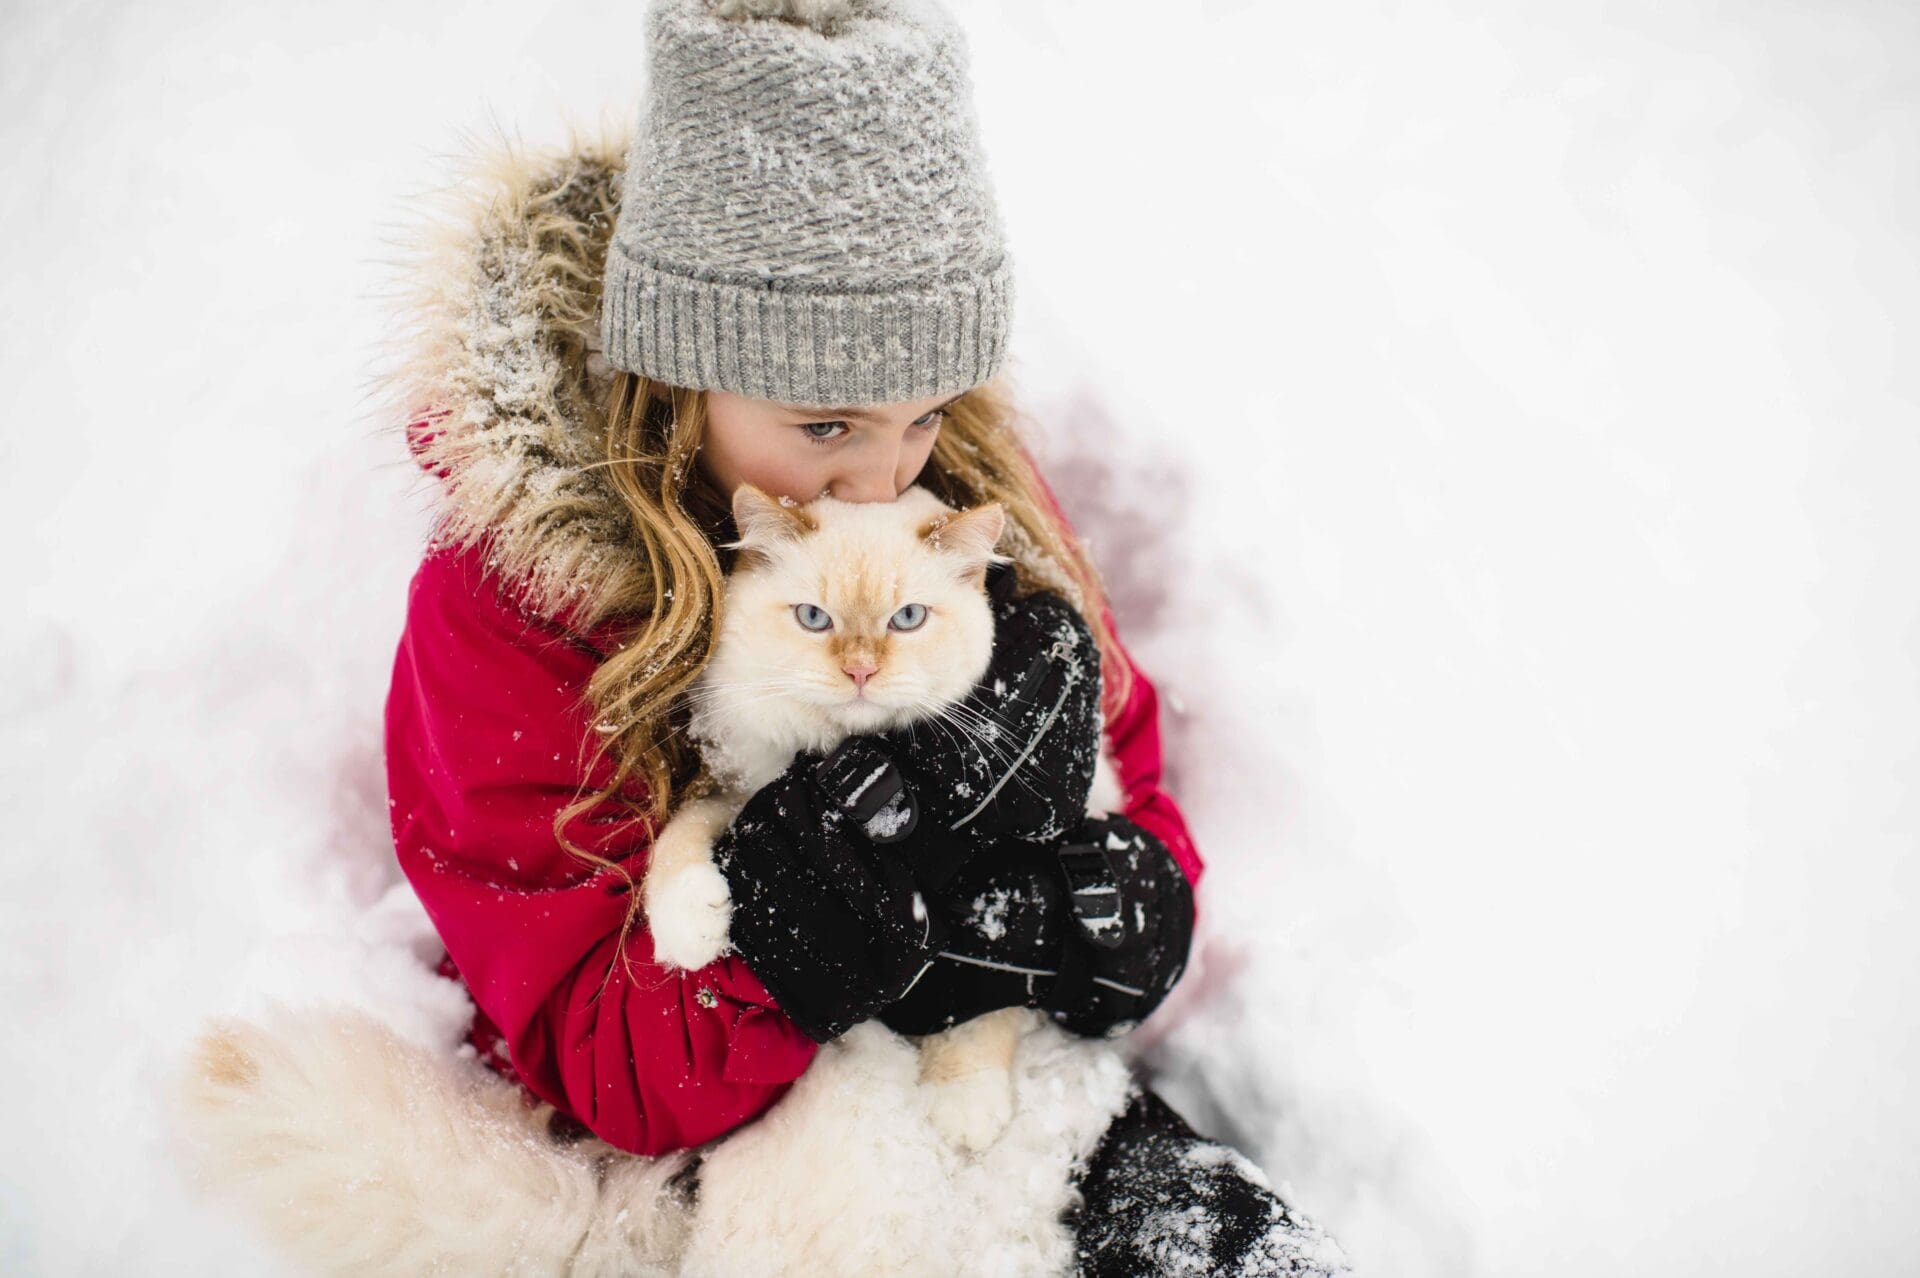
[1492, 422]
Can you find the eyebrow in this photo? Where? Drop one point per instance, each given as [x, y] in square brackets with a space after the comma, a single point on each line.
[857, 411]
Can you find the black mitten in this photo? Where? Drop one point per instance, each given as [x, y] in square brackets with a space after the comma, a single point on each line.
[1015, 759]
[1094, 930]
[832, 924]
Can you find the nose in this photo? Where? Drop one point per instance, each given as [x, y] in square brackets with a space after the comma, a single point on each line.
[870, 475]
[860, 673]
[871, 484]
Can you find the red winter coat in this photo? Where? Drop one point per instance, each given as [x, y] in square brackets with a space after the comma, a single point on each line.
[484, 726]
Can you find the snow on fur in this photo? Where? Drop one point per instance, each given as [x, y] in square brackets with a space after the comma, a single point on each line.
[493, 346]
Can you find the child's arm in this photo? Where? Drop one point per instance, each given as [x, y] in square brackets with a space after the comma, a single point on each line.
[485, 726]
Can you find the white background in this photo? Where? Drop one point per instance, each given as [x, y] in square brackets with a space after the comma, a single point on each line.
[1498, 424]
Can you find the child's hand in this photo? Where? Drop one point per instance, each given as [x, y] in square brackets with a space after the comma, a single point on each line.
[1016, 757]
[834, 926]
[1094, 931]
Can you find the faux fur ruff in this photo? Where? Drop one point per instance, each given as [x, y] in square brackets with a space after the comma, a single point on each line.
[496, 346]
[360, 1153]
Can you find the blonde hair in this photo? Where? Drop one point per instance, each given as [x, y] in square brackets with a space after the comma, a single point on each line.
[653, 433]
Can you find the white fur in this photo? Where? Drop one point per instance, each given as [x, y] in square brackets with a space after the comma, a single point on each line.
[849, 1175]
[746, 736]
[360, 1153]
[972, 1111]
[771, 689]
[689, 909]
[690, 914]
[363, 1154]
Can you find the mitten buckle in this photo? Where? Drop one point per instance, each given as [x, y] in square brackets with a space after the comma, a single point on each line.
[1094, 892]
[863, 782]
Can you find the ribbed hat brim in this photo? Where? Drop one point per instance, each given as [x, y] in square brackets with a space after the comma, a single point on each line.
[785, 343]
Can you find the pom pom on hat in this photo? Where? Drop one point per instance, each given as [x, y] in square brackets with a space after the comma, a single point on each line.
[823, 15]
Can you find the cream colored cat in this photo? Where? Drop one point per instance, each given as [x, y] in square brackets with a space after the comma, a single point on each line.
[907, 631]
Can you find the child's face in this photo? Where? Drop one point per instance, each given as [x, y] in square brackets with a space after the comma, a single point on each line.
[872, 452]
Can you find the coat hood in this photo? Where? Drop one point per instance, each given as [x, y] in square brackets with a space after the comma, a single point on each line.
[498, 374]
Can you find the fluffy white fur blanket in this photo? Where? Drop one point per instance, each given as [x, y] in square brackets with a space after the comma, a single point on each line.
[359, 1152]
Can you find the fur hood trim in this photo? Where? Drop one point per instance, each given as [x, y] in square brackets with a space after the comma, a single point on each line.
[496, 369]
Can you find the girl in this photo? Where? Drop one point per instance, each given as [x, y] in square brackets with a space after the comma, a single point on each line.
[796, 279]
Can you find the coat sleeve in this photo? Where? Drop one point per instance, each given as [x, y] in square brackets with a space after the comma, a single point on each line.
[1133, 738]
[1133, 735]
[486, 740]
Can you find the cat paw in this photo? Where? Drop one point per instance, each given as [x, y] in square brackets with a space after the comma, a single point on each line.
[971, 1111]
[690, 917]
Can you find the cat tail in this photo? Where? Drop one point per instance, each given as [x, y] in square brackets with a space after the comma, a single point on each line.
[362, 1153]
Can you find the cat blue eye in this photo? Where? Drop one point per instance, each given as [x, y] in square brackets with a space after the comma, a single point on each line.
[812, 617]
[910, 617]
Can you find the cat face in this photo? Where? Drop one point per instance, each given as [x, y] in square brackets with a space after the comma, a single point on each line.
[864, 616]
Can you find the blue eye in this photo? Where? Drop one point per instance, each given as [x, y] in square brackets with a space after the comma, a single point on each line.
[812, 617]
[910, 617]
[827, 432]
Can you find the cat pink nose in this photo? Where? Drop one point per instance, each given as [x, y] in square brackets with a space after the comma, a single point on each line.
[859, 674]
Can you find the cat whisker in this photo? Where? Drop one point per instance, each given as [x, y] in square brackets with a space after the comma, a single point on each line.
[994, 750]
[954, 732]
[994, 718]
[982, 730]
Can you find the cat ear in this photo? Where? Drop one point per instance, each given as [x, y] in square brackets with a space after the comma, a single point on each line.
[969, 535]
[765, 522]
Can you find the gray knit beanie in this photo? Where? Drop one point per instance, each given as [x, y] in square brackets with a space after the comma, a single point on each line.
[806, 215]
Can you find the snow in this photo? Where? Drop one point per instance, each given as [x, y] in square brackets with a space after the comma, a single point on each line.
[1491, 422]
[853, 797]
[891, 819]
[988, 913]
